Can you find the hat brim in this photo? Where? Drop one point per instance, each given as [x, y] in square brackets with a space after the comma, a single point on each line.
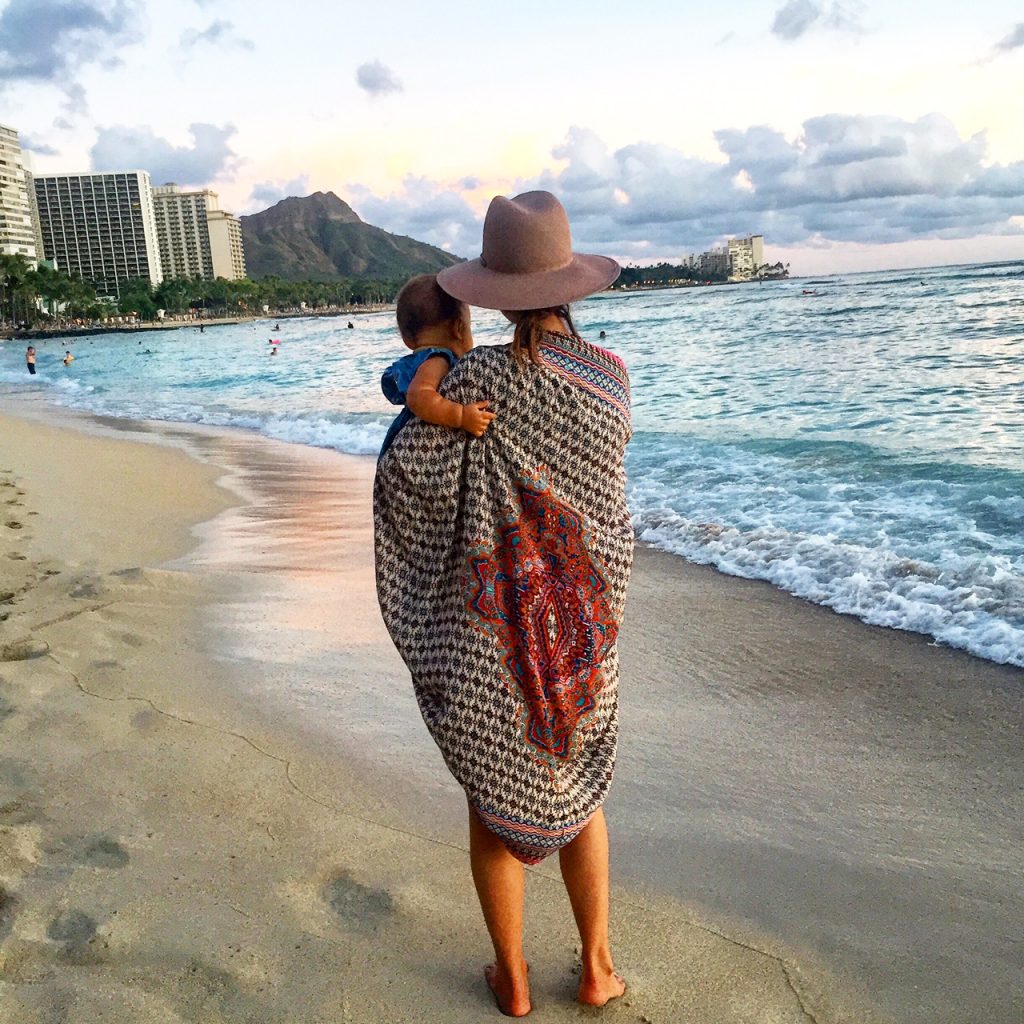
[478, 285]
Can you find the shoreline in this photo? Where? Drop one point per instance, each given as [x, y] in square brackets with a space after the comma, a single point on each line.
[267, 692]
[36, 334]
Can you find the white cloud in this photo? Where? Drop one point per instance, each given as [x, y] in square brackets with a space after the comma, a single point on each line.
[209, 156]
[1013, 40]
[797, 17]
[423, 209]
[50, 41]
[268, 193]
[869, 179]
[33, 145]
[377, 79]
[218, 33]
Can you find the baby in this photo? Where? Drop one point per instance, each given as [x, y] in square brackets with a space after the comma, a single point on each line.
[436, 327]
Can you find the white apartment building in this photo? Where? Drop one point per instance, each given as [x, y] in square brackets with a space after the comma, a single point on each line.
[18, 233]
[226, 245]
[745, 256]
[195, 236]
[738, 259]
[714, 261]
[100, 227]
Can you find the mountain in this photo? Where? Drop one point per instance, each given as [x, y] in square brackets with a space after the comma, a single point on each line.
[321, 238]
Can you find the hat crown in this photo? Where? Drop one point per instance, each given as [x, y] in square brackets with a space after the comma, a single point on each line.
[526, 235]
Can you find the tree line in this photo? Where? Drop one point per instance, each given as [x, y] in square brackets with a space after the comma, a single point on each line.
[35, 296]
[666, 274]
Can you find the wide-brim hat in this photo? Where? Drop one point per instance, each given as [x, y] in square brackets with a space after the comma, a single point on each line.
[527, 260]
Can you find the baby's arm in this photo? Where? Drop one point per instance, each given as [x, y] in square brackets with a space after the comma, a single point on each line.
[426, 404]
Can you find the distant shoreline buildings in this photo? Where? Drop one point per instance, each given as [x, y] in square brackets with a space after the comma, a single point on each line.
[100, 227]
[109, 228]
[738, 260]
[196, 237]
[18, 233]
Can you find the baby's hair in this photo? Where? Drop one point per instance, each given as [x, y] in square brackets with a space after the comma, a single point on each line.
[423, 303]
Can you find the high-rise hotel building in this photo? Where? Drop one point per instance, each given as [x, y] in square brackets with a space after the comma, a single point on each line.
[100, 227]
[746, 255]
[196, 237]
[17, 223]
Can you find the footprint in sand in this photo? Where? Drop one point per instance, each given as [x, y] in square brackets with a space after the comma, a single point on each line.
[24, 650]
[13, 524]
[15, 812]
[358, 906]
[8, 909]
[73, 927]
[101, 852]
[16, 557]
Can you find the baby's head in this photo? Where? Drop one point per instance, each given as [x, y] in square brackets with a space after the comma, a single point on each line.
[428, 315]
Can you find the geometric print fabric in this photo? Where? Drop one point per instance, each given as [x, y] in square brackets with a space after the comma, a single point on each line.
[502, 565]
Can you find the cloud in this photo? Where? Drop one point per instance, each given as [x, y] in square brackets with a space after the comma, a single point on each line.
[49, 41]
[377, 79]
[424, 210]
[209, 156]
[847, 178]
[33, 145]
[864, 179]
[796, 17]
[1013, 40]
[218, 33]
[267, 193]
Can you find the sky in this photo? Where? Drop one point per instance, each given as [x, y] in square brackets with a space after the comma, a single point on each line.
[852, 135]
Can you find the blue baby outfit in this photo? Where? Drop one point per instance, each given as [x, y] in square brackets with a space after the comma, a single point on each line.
[395, 381]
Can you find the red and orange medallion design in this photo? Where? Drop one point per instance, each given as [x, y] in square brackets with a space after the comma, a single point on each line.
[537, 590]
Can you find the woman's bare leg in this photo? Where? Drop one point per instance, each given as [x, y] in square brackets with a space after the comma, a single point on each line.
[584, 864]
[500, 885]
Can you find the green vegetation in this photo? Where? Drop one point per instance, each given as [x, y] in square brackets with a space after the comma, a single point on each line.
[666, 275]
[662, 275]
[41, 296]
[29, 296]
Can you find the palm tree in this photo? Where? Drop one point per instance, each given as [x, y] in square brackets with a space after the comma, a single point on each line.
[14, 278]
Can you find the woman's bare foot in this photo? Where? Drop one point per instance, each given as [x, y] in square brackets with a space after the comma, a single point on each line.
[600, 987]
[511, 992]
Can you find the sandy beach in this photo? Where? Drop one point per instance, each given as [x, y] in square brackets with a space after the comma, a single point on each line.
[218, 804]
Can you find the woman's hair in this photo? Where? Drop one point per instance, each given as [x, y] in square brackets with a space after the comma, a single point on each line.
[423, 303]
[528, 332]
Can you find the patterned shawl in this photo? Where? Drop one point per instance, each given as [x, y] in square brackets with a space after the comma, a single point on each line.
[502, 565]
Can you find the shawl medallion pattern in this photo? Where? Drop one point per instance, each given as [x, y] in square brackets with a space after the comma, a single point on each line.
[540, 595]
[502, 565]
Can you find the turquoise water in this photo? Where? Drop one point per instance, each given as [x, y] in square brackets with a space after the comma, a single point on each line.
[861, 447]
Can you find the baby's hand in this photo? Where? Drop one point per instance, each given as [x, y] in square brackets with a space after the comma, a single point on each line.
[476, 419]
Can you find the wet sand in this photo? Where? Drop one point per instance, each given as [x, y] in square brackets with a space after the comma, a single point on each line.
[217, 801]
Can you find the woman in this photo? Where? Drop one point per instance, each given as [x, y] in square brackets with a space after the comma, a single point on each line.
[502, 565]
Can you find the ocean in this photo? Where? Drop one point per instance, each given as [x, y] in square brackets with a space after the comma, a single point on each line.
[855, 440]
